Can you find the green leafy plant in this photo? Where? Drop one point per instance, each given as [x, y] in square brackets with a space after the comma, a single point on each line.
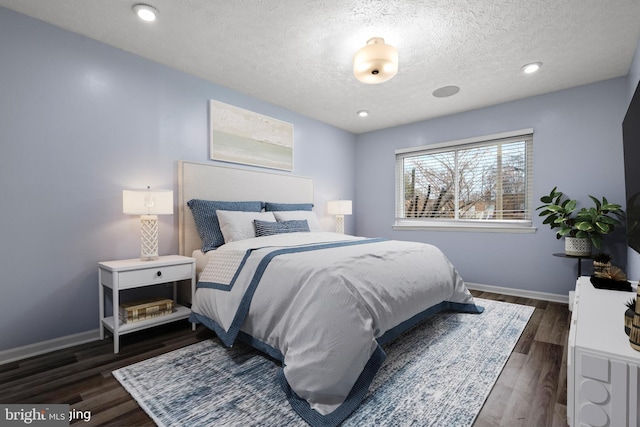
[593, 223]
[631, 304]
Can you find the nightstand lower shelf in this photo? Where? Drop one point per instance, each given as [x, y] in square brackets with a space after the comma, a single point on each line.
[181, 312]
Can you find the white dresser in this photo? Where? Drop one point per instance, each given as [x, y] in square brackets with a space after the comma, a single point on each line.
[603, 371]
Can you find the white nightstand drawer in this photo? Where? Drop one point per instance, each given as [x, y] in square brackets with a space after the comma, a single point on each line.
[151, 275]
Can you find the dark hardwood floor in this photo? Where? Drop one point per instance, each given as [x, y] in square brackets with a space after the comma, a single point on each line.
[531, 391]
[532, 388]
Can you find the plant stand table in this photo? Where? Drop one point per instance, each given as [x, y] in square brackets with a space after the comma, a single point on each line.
[579, 258]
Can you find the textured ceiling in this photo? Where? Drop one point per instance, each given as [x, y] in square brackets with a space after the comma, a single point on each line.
[298, 53]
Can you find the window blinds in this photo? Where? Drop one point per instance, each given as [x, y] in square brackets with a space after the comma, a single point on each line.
[486, 180]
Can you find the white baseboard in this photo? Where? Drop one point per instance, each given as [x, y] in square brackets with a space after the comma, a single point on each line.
[43, 347]
[563, 299]
[36, 349]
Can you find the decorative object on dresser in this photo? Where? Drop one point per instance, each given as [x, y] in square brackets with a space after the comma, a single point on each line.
[628, 315]
[614, 279]
[603, 371]
[601, 263]
[148, 204]
[583, 228]
[339, 208]
[135, 273]
[634, 333]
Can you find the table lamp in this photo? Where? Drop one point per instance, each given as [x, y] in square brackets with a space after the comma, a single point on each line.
[339, 208]
[148, 204]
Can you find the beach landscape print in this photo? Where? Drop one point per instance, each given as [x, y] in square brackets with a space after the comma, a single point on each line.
[242, 136]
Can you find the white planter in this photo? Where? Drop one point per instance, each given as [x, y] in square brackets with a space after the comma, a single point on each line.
[575, 246]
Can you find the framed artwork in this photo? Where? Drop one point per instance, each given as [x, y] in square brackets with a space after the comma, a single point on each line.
[241, 136]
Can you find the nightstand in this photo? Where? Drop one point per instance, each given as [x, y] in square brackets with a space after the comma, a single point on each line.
[135, 273]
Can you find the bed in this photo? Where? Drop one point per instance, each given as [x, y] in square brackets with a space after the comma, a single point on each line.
[321, 303]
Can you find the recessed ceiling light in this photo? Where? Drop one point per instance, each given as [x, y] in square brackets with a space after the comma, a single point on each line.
[363, 113]
[145, 12]
[531, 68]
[446, 91]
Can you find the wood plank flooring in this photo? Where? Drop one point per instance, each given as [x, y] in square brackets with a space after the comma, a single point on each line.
[531, 391]
[532, 388]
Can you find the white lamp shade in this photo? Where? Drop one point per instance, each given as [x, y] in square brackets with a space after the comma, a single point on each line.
[147, 202]
[375, 63]
[339, 207]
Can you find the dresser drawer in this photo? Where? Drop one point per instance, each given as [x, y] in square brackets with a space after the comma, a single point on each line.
[152, 275]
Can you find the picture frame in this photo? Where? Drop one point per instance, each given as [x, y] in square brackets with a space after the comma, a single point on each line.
[241, 136]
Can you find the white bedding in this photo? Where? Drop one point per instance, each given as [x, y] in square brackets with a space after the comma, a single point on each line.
[322, 303]
[201, 259]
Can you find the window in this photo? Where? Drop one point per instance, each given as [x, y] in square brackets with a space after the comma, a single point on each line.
[479, 183]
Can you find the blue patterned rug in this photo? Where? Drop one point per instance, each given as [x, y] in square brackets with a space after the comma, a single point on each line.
[437, 374]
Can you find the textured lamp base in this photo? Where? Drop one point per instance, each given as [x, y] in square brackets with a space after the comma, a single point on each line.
[149, 236]
[340, 224]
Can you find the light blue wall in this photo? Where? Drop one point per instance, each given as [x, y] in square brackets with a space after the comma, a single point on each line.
[577, 146]
[80, 121]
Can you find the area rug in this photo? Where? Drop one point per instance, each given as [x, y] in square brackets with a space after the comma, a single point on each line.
[437, 374]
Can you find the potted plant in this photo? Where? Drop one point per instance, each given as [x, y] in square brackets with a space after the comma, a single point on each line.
[580, 228]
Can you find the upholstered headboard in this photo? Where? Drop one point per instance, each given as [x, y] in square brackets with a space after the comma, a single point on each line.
[212, 182]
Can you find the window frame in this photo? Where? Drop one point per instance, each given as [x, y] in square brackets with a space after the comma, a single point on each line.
[501, 226]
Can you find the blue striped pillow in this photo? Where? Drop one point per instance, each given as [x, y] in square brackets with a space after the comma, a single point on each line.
[267, 228]
[204, 215]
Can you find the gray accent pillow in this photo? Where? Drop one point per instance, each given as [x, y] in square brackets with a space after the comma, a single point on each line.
[268, 206]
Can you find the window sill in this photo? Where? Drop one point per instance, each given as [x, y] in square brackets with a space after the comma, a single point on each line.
[484, 227]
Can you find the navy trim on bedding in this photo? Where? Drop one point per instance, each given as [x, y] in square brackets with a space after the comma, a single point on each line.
[396, 331]
[351, 403]
[261, 346]
[228, 287]
[229, 336]
[361, 387]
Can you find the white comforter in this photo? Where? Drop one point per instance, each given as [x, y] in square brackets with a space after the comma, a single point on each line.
[321, 303]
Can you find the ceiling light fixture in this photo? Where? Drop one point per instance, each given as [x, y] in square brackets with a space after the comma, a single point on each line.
[145, 12]
[531, 68]
[376, 62]
[363, 113]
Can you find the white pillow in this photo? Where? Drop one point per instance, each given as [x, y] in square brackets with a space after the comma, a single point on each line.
[237, 225]
[310, 216]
